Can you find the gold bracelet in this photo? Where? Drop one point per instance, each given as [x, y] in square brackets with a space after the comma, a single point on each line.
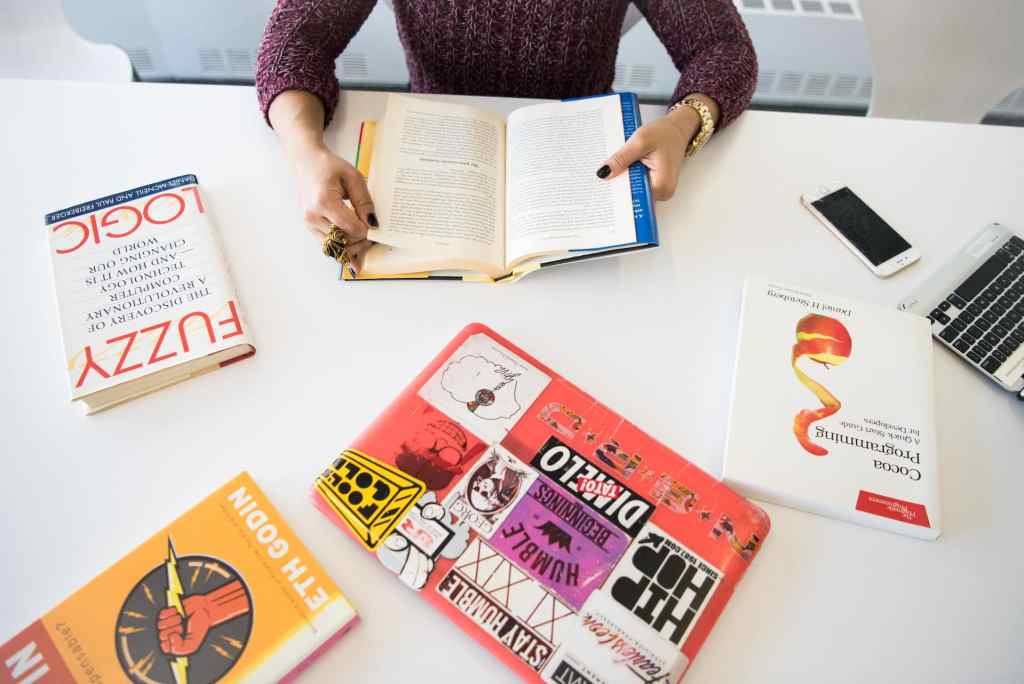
[707, 123]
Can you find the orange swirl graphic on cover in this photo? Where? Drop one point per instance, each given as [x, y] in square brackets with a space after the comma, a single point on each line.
[826, 341]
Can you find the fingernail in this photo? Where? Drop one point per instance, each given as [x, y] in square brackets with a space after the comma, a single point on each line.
[604, 171]
[351, 271]
[372, 220]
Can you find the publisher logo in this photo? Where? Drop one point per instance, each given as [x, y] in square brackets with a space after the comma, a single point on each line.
[896, 509]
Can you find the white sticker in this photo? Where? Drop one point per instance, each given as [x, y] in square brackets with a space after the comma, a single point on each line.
[663, 583]
[504, 602]
[486, 494]
[608, 645]
[485, 387]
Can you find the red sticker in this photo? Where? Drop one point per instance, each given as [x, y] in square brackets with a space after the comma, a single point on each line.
[605, 488]
[897, 509]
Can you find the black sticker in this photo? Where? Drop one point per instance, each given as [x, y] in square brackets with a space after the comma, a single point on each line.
[567, 674]
[628, 511]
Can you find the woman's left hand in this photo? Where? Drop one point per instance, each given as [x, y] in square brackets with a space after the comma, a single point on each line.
[660, 146]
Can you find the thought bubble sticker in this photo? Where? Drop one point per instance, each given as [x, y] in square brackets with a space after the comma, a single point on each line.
[484, 387]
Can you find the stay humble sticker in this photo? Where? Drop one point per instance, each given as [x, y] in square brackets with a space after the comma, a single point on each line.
[505, 603]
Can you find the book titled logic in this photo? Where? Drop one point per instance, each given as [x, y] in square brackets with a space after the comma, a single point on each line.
[832, 410]
[561, 537]
[143, 291]
[225, 593]
[466, 194]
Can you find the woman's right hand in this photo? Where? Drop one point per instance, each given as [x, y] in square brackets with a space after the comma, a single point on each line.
[325, 179]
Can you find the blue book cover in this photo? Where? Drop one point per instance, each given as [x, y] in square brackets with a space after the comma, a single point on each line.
[639, 179]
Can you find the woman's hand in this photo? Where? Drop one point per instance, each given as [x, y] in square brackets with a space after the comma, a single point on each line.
[325, 179]
[660, 146]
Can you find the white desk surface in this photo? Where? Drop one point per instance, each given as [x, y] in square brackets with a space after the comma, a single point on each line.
[652, 334]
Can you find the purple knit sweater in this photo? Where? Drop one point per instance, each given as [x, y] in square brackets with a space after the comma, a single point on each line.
[520, 48]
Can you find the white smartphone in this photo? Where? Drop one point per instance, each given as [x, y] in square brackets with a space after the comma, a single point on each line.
[875, 242]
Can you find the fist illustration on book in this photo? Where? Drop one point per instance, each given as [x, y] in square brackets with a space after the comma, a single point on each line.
[183, 635]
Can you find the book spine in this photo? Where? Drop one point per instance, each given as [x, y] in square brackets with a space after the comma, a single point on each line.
[639, 177]
[121, 197]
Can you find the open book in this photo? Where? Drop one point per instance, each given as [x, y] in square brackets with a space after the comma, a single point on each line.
[463, 193]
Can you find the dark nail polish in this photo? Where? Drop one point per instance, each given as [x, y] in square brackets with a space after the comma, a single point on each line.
[372, 220]
[351, 271]
[604, 171]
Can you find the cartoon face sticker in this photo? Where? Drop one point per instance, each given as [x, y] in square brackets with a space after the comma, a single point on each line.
[490, 490]
[436, 453]
[494, 486]
[427, 533]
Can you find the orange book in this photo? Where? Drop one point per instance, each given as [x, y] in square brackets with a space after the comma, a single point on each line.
[225, 593]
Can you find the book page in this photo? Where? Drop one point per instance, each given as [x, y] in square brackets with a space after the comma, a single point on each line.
[555, 201]
[438, 180]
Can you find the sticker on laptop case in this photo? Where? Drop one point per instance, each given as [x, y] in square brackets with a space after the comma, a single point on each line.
[370, 496]
[426, 533]
[499, 598]
[561, 419]
[664, 584]
[724, 529]
[627, 510]
[674, 495]
[487, 494]
[484, 387]
[608, 645]
[560, 542]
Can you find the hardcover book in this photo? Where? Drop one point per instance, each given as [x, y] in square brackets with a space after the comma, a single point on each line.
[557, 534]
[832, 410]
[143, 291]
[466, 194]
[225, 593]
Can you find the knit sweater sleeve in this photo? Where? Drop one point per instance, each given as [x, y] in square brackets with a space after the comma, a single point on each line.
[302, 40]
[709, 44]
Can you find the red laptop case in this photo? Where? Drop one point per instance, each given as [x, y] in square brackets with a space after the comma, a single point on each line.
[556, 533]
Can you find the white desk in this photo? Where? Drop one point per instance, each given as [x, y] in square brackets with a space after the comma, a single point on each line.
[652, 334]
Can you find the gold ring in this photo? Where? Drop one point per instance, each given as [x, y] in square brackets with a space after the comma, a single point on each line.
[335, 245]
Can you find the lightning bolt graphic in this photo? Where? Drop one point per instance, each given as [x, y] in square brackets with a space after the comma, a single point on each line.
[179, 666]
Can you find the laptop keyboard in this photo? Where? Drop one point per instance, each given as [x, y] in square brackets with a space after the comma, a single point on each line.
[983, 319]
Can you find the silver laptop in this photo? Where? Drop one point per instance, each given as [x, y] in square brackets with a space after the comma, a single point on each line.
[976, 305]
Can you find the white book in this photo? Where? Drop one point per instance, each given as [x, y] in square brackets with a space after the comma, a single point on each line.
[143, 291]
[832, 410]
